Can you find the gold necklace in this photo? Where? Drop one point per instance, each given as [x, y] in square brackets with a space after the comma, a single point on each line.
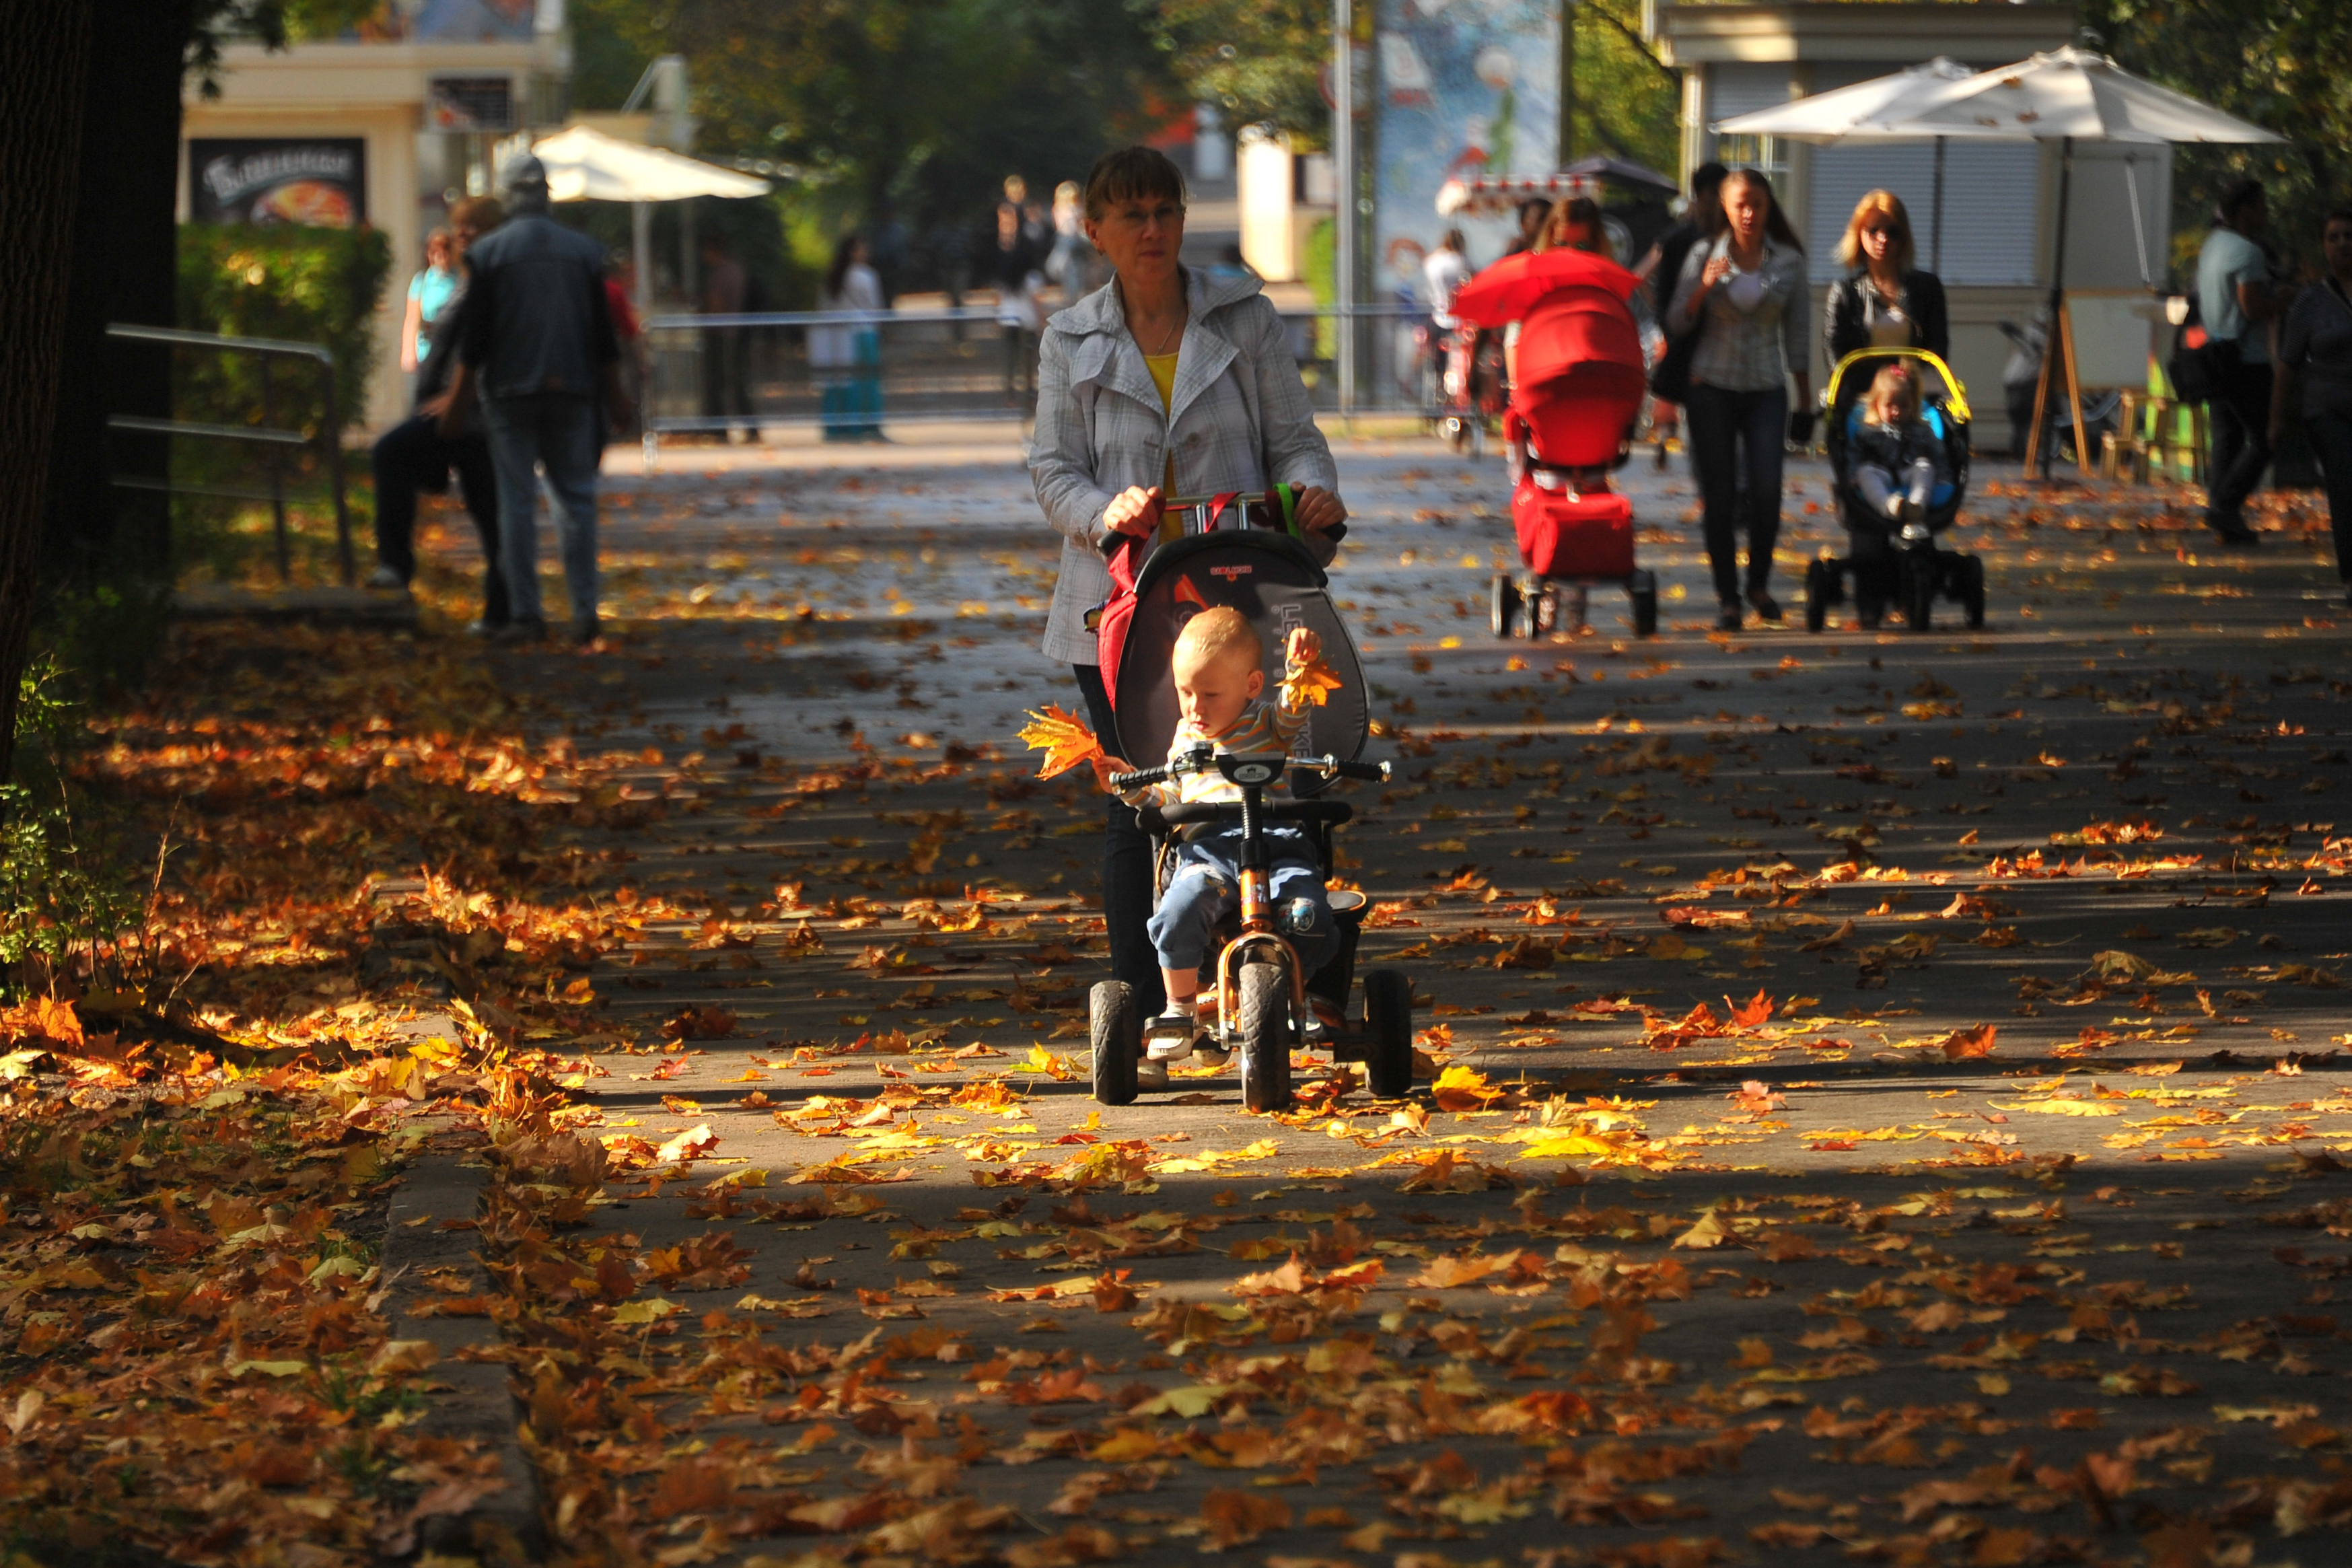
[1173, 334]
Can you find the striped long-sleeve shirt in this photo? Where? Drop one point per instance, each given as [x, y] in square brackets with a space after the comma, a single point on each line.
[1266, 725]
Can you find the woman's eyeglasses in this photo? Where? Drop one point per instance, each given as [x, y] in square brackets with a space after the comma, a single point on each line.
[1165, 214]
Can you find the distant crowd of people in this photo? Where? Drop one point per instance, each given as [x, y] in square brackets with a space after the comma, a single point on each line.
[1725, 286]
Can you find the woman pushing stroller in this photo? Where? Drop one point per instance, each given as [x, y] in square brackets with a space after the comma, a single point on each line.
[1165, 381]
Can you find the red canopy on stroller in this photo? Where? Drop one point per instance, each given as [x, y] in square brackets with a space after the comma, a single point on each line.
[1580, 376]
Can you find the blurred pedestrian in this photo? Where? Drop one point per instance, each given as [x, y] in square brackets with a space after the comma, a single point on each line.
[2237, 303]
[1885, 300]
[1017, 318]
[847, 355]
[726, 349]
[949, 247]
[1534, 213]
[539, 349]
[2315, 357]
[1443, 273]
[429, 292]
[1575, 223]
[1075, 266]
[620, 298]
[1743, 293]
[414, 455]
[1662, 268]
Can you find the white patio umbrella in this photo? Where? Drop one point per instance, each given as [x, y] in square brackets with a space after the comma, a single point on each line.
[2064, 95]
[1848, 113]
[586, 164]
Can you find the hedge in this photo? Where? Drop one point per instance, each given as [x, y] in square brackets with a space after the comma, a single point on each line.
[305, 285]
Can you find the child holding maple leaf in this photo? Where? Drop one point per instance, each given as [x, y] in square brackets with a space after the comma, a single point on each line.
[1218, 668]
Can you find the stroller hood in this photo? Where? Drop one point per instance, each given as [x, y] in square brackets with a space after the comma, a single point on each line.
[1273, 581]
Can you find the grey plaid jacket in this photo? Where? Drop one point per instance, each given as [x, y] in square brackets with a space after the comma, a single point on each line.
[1239, 420]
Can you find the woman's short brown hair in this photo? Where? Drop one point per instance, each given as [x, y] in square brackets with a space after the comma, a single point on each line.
[1131, 174]
[482, 213]
[1879, 204]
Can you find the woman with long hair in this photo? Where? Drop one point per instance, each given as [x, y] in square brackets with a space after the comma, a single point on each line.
[1744, 293]
[1885, 300]
[1575, 224]
[847, 358]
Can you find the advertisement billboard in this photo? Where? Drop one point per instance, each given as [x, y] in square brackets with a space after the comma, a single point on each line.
[320, 181]
[1469, 89]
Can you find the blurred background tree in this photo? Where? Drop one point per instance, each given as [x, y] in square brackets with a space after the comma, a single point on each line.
[1628, 101]
[2285, 64]
[911, 112]
[1262, 61]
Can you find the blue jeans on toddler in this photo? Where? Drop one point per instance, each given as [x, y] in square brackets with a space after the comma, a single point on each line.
[1207, 886]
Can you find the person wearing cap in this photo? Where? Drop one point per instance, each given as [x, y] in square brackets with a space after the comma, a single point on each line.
[538, 349]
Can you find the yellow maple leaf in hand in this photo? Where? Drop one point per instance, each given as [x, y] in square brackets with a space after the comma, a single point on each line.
[1313, 684]
[1064, 739]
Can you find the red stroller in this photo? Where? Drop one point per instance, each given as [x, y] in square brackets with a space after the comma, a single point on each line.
[1576, 396]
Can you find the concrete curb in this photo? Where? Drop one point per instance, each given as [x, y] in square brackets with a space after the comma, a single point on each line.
[440, 1185]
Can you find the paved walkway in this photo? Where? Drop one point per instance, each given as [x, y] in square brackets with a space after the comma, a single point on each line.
[1890, 1080]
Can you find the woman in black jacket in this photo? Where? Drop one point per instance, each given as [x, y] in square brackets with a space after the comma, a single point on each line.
[1886, 301]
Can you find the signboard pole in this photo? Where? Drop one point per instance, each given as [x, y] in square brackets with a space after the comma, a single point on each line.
[1566, 82]
[1343, 161]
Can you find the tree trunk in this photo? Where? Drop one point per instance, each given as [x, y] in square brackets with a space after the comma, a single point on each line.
[42, 51]
[123, 270]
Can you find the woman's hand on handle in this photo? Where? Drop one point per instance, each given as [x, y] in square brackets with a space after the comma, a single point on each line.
[1319, 511]
[1134, 511]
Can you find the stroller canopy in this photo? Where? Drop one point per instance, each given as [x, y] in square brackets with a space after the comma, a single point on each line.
[1273, 581]
[1513, 286]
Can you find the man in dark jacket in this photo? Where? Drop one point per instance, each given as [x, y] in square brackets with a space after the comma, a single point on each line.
[538, 349]
[413, 455]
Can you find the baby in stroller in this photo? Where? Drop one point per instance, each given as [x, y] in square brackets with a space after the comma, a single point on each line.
[1897, 462]
[1218, 668]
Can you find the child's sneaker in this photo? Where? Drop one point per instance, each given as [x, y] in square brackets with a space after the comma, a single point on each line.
[1173, 1036]
[1151, 1074]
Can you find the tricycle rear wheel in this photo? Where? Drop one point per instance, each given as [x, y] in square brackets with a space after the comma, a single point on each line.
[1115, 1028]
[1388, 1033]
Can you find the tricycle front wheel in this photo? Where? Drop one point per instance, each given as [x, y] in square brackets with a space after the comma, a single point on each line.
[1267, 1032]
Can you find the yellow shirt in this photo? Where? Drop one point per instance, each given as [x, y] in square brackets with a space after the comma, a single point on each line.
[1163, 376]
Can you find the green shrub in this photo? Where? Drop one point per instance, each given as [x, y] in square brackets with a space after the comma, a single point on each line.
[60, 897]
[304, 285]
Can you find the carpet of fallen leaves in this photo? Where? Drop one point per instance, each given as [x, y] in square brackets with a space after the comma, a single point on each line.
[776, 1282]
[202, 1126]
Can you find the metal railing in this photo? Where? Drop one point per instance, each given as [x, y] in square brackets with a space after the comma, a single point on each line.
[273, 441]
[708, 374]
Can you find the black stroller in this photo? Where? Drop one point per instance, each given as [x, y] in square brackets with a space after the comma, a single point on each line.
[1892, 562]
[1265, 1005]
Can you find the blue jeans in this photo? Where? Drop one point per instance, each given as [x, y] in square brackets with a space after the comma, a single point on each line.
[564, 435]
[1207, 886]
[1736, 439]
[1127, 870]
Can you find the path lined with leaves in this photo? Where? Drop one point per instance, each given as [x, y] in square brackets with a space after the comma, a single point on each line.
[1885, 1090]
